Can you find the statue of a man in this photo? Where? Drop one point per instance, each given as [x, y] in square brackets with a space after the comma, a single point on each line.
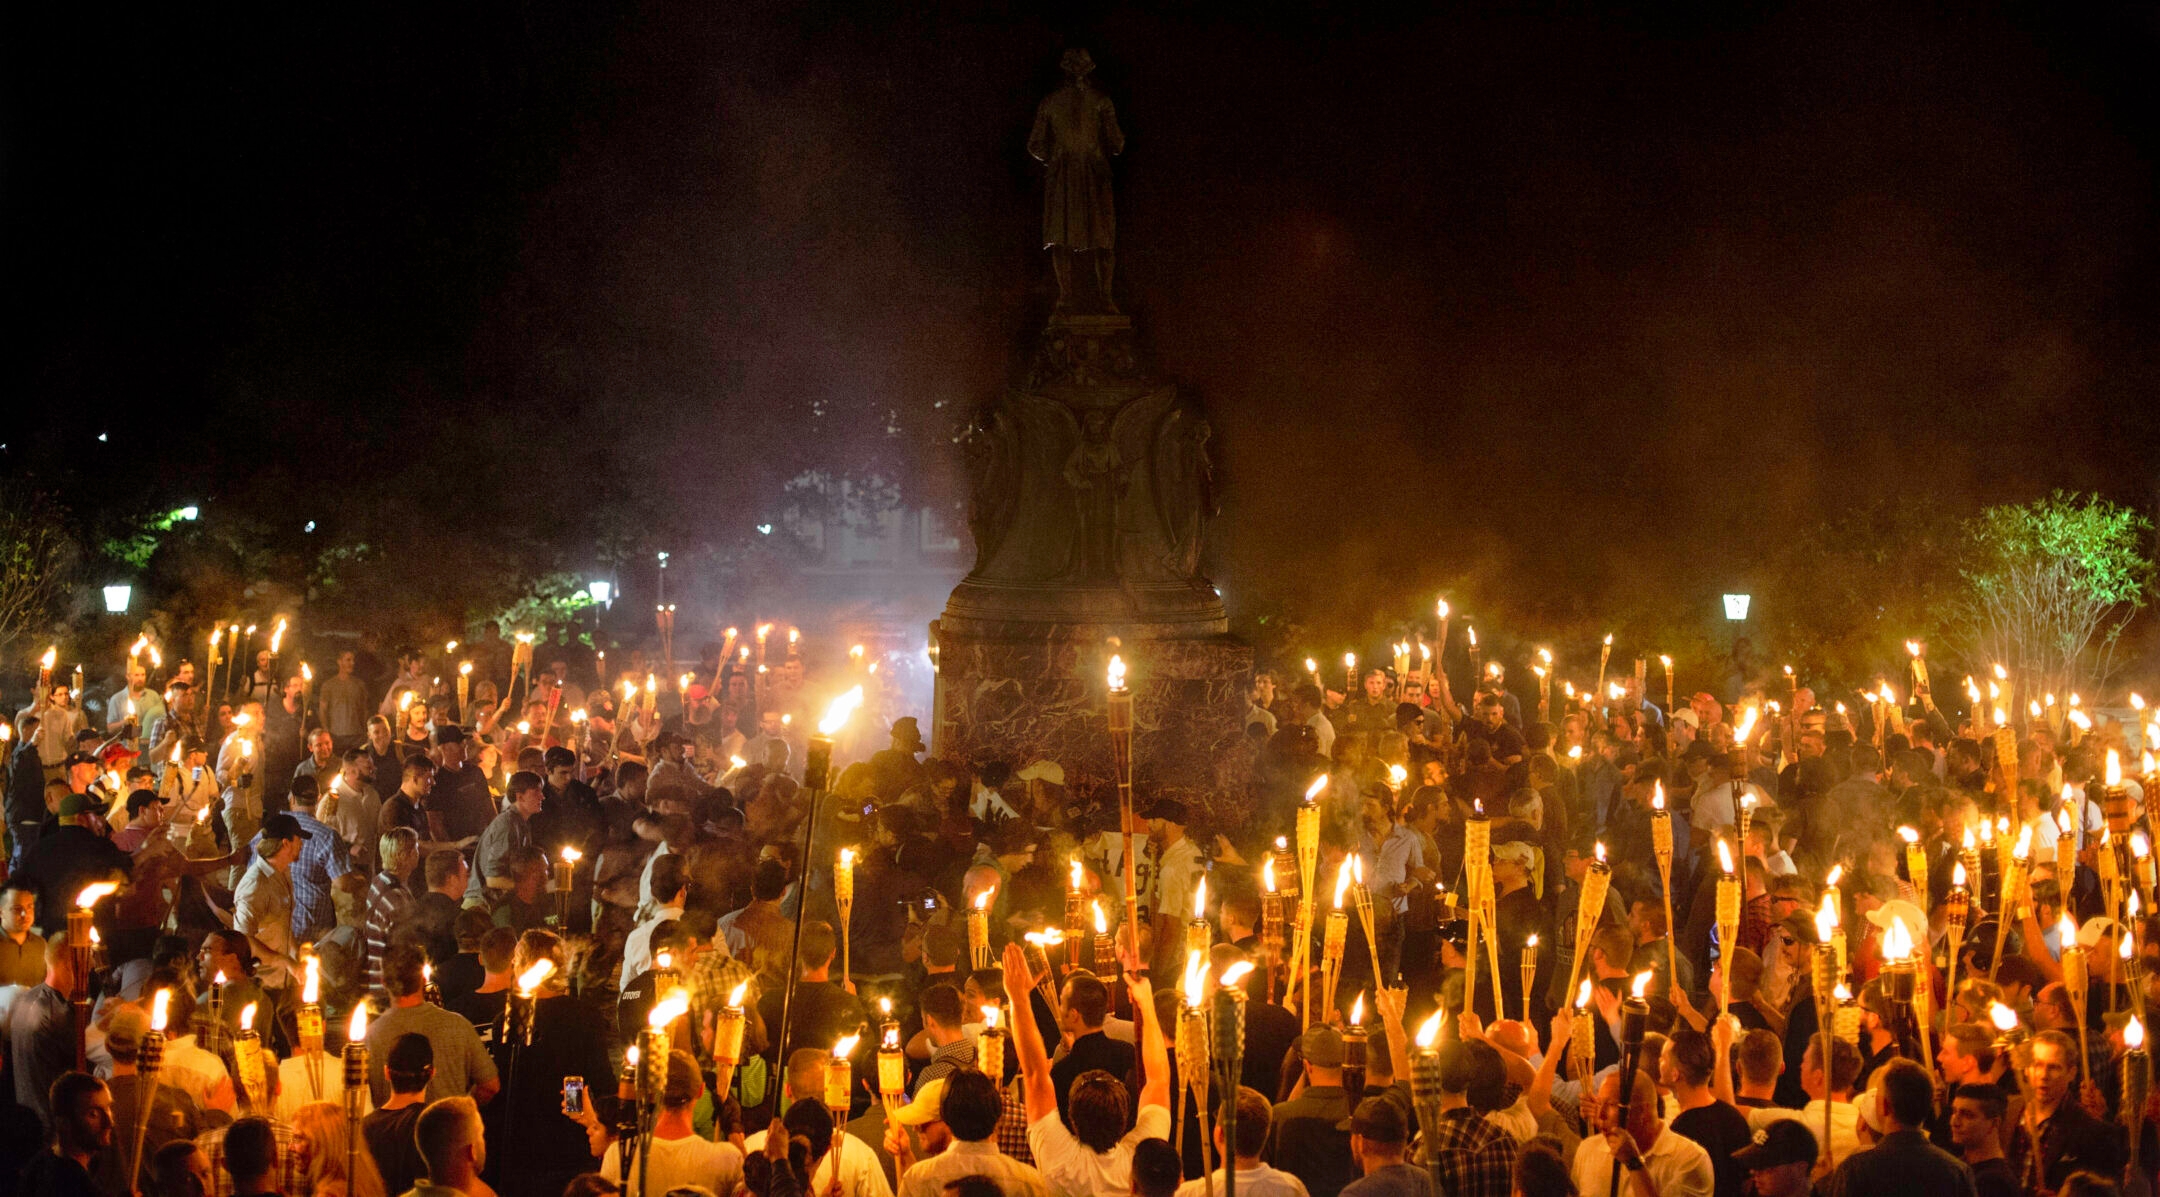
[1075, 134]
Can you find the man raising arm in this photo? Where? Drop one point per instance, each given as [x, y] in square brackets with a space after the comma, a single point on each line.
[1095, 1156]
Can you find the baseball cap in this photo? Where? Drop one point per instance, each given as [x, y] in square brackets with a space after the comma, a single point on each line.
[411, 1054]
[282, 826]
[81, 758]
[1049, 771]
[1168, 810]
[75, 804]
[696, 693]
[124, 1032]
[1321, 1047]
[1868, 1106]
[927, 1107]
[449, 733]
[1785, 1141]
[1687, 715]
[1517, 851]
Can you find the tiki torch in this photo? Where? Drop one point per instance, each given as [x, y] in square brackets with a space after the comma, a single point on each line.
[1199, 933]
[2136, 1076]
[1634, 1025]
[1353, 1060]
[82, 945]
[1308, 855]
[978, 929]
[891, 1063]
[248, 1057]
[840, 1089]
[149, 1061]
[1916, 864]
[1661, 843]
[728, 1039]
[815, 771]
[1271, 921]
[356, 1056]
[1229, 1052]
[1425, 1076]
[1075, 915]
[1336, 935]
[843, 891]
[1589, 909]
[1192, 1047]
[1120, 707]
[565, 874]
[1728, 921]
[990, 1045]
[310, 1020]
[1529, 975]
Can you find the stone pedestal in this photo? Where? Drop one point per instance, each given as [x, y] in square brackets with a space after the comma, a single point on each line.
[1042, 697]
[1091, 487]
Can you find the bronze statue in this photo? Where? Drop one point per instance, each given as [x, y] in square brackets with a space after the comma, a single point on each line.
[1076, 133]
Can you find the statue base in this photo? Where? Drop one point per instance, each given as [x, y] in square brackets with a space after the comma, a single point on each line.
[1037, 694]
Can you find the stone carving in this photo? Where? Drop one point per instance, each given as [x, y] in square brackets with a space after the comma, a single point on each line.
[1075, 135]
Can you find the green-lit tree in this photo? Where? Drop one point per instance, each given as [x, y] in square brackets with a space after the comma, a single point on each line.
[2049, 587]
[36, 553]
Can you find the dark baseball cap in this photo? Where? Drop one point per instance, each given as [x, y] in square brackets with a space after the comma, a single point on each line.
[1785, 1141]
[411, 1054]
[282, 826]
[449, 733]
[1321, 1047]
[1168, 810]
[81, 758]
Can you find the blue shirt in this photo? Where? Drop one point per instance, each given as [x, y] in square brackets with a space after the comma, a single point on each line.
[322, 860]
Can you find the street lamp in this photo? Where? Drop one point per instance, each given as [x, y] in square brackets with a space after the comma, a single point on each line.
[116, 598]
[1736, 607]
[602, 592]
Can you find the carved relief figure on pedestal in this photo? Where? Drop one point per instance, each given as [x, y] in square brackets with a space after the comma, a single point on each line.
[1097, 476]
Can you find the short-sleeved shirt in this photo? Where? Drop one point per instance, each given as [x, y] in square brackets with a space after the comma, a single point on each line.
[461, 1060]
[263, 908]
[22, 963]
[1392, 1180]
[1180, 872]
[1073, 1169]
[1256, 1181]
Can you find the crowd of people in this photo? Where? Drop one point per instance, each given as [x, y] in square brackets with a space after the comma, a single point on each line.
[513, 858]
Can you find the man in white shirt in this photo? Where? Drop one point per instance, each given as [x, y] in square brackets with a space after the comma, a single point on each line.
[958, 1117]
[677, 1155]
[1095, 1156]
[1254, 1178]
[671, 882]
[860, 1173]
[1655, 1161]
[1179, 870]
[1844, 1117]
[351, 807]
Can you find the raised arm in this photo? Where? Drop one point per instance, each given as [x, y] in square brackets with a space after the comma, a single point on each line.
[1027, 1042]
[1154, 1057]
[1721, 1038]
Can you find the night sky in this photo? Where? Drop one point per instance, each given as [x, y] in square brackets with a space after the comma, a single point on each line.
[1545, 307]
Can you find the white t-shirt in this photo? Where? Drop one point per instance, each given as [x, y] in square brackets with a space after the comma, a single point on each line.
[861, 1175]
[1844, 1125]
[194, 1070]
[1073, 1169]
[673, 1163]
[1256, 1181]
[295, 1091]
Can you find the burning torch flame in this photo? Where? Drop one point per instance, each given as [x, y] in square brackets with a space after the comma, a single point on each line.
[1641, 984]
[735, 996]
[247, 1017]
[1600, 846]
[1102, 925]
[838, 711]
[356, 1030]
[1724, 856]
[1429, 1030]
[1079, 875]
[532, 978]
[2114, 768]
[1826, 920]
[2134, 1034]
[2004, 1018]
[1342, 881]
[1897, 942]
[1267, 872]
[1582, 993]
[91, 895]
[1910, 835]
[674, 1006]
[157, 1009]
[1441, 608]
[1657, 796]
[1357, 1009]
[311, 984]
[1312, 792]
[1199, 899]
[1234, 974]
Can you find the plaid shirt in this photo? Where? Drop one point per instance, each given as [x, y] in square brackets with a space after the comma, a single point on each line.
[1469, 1156]
[1012, 1136]
[323, 859]
[292, 1170]
[387, 902]
[1755, 925]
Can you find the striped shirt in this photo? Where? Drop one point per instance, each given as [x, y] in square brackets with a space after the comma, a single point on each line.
[388, 901]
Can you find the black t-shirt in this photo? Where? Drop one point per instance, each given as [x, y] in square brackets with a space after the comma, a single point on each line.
[1722, 1130]
[1996, 1178]
[52, 1175]
[822, 1014]
[389, 1135]
[483, 1010]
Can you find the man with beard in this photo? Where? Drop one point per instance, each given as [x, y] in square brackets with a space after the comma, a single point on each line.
[570, 813]
[459, 794]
